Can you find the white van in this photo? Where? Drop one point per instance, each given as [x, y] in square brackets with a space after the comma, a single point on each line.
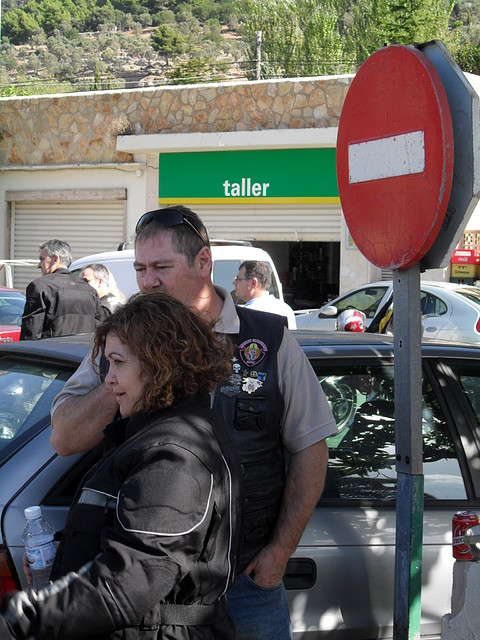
[227, 257]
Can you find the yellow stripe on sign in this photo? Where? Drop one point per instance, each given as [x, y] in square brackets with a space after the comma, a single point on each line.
[240, 200]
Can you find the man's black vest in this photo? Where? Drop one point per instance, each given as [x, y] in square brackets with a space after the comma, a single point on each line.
[251, 406]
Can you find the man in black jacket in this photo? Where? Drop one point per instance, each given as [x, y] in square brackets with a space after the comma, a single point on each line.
[58, 303]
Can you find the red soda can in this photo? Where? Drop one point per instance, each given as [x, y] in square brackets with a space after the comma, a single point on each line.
[462, 520]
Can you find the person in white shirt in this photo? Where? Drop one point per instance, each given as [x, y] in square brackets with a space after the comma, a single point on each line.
[101, 279]
[252, 284]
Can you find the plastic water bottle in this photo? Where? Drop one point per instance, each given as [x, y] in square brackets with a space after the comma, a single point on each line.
[39, 546]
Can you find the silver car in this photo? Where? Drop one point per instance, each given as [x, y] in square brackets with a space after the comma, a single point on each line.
[449, 311]
[340, 581]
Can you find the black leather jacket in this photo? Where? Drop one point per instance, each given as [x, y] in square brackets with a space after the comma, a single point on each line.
[60, 304]
[148, 548]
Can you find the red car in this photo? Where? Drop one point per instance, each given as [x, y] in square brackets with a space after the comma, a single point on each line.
[12, 302]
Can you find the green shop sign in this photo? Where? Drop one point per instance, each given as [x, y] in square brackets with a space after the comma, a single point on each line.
[299, 176]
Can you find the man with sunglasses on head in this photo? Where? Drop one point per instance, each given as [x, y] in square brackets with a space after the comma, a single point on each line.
[272, 403]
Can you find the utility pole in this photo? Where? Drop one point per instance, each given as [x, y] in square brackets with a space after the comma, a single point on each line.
[258, 53]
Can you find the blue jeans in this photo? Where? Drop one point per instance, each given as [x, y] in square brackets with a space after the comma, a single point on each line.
[258, 613]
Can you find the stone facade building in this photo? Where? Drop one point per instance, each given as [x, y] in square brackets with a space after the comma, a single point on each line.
[85, 166]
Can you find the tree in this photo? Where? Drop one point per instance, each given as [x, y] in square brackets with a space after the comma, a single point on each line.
[414, 21]
[468, 58]
[197, 70]
[360, 25]
[53, 14]
[101, 15]
[97, 78]
[336, 36]
[168, 41]
[323, 48]
[19, 26]
[281, 35]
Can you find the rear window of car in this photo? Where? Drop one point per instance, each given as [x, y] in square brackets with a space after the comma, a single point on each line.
[470, 294]
[431, 305]
[27, 389]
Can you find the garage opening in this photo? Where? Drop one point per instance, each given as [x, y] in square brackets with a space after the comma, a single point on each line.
[309, 271]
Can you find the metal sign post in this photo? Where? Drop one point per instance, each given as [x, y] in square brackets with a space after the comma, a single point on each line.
[409, 453]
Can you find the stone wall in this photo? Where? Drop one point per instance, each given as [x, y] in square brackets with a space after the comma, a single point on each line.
[81, 128]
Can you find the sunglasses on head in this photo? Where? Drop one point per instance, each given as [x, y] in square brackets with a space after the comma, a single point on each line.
[169, 217]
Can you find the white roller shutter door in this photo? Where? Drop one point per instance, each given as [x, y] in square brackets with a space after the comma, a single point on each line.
[89, 227]
[293, 223]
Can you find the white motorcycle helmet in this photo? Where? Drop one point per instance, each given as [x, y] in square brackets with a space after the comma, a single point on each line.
[351, 320]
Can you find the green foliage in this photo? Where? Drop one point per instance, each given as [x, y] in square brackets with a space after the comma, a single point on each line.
[100, 15]
[323, 48]
[168, 41]
[281, 35]
[97, 80]
[197, 70]
[53, 14]
[415, 21]
[18, 26]
[64, 40]
[299, 37]
[361, 29]
[166, 16]
[212, 32]
[468, 58]
[336, 36]
[204, 9]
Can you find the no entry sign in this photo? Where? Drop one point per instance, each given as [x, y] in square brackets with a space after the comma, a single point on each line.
[395, 157]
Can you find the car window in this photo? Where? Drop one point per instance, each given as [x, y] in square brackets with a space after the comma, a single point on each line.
[26, 393]
[362, 455]
[366, 300]
[471, 386]
[472, 294]
[11, 308]
[432, 305]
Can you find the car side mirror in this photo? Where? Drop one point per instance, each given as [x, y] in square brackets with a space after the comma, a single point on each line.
[328, 312]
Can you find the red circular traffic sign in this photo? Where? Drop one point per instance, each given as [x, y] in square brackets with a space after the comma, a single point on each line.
[395, 157]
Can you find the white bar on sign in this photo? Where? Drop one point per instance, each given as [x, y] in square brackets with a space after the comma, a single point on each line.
[398, 155]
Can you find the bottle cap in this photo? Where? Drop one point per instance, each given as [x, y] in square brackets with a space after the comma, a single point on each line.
[32, 512]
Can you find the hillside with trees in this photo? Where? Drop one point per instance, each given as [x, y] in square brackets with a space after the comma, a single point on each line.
[51, 46]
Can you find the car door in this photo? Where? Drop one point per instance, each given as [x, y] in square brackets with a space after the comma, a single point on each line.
[340, 583]
[436, 316]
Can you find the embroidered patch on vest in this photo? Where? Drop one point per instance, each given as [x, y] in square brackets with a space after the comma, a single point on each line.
[235, 380]
[252, 351]
[250, 385]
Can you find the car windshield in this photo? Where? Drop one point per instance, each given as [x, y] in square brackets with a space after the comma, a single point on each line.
[365, 300]
[11, 307]
[26, 393]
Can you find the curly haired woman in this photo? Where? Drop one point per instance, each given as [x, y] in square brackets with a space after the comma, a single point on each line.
[148, 548]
